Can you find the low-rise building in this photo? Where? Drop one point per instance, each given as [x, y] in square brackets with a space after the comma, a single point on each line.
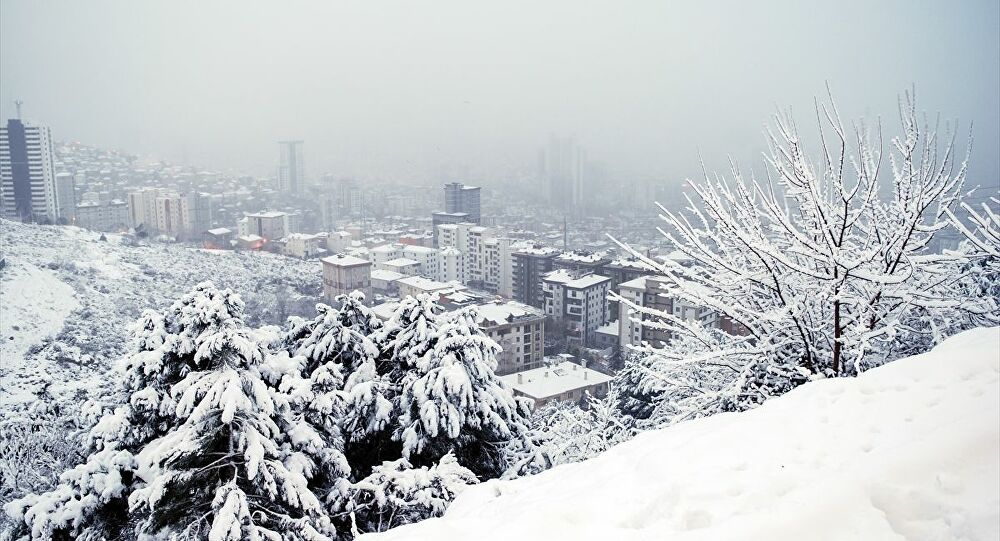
[401, 265]
[415, 285]
[304, 246]
[384, 282]
[564, 382]
[219, 238]
[343, 274]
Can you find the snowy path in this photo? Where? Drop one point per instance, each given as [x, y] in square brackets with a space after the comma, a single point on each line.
[909, 451]
[34, 304]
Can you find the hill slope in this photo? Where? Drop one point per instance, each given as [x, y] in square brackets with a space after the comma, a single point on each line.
[68, 299]
[910, 450]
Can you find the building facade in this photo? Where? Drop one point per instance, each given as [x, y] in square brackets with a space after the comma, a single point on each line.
[343, 274]
[528, 265]
[578, 302]
[27, 180]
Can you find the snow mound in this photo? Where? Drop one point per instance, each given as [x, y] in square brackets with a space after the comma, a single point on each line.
[910, 450]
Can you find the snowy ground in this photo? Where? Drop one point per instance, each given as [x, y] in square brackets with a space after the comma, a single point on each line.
[67, 300]
[909, 451]
[34, 306]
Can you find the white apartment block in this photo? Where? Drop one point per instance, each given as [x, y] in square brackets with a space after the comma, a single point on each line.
[110, 216]
[27, 180]
[142, 207]
[579, 302]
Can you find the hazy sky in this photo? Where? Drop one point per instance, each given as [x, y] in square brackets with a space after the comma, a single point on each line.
[398, 89]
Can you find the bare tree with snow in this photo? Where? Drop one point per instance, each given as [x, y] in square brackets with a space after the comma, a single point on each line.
[817, 266]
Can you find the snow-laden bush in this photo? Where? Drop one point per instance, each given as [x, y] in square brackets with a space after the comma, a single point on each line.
[396, 493]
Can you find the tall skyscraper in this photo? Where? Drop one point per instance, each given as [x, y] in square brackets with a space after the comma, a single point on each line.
[27, 181]
[562, 167]
[291, 168]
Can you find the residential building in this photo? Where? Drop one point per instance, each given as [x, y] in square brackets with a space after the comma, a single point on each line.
[66, 197]
[564, 382]
[449, 264]
[343, 274]
[520, 331]
[270, 225]
[401, 265]
[303, 245]
[219, 238]
[416, 285]
[142, 207]
[441, 218]
[578, 302]
[529, 264]
[459, 198]
[384, 282]
[291, 168]
[110, 216]
[27, 180]
[498, 266]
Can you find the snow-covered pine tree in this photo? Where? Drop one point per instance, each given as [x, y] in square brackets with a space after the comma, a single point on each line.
[222, 474]
[186, 363]
[324, 350]
[373, 389]
[90, 501]
[457, 404]
[812, 269]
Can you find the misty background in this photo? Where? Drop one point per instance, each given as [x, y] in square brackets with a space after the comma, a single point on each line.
[403, 90]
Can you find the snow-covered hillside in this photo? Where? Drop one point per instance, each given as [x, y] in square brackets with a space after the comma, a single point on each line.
[68, 299]
[910, 450]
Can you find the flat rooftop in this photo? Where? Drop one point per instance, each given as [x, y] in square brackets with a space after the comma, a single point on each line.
[548, 381]
[344, 260]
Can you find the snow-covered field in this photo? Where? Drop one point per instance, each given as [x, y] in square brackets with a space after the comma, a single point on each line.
[910, 450]
[68, 299]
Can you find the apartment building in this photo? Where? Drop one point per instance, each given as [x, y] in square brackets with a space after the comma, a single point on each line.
[519, 329]
[528, 265]
[578, 302]
[27, 179]
[343, 274]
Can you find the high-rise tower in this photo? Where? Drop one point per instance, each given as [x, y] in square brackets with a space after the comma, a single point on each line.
[27, 181]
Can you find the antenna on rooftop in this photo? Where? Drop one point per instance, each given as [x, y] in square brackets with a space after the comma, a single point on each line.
[17, 105]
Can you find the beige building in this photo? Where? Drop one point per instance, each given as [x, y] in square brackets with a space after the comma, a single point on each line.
[519, 329]
[343, 274]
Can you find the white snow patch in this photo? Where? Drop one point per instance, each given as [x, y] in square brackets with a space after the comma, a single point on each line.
[910, 450]
[34, 305]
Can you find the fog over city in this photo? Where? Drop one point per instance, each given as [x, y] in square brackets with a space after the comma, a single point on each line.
[404, 91]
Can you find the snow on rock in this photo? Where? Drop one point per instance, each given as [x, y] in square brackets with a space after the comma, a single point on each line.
[34, 304]
[910, 450]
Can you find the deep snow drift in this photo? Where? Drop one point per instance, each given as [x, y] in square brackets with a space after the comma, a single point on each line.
[910, 450]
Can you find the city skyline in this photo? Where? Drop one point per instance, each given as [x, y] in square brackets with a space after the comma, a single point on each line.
[647, 96]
